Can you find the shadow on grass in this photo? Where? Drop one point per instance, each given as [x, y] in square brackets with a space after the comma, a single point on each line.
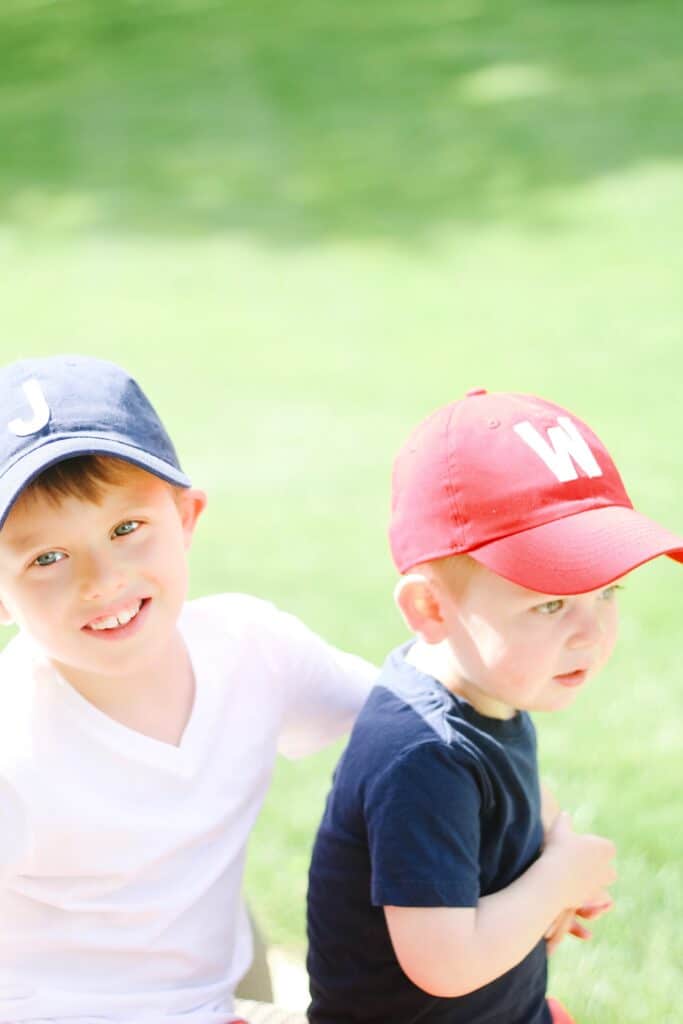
[318, 119]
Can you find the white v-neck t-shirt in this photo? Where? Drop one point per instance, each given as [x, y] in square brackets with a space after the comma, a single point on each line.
[121, 857]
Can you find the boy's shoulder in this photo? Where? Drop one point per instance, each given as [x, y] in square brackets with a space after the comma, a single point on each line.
[407, 702]
[229, 608]
[407, 718]
[235, 617]
[410, 723]
[17, 661]
[20, 706]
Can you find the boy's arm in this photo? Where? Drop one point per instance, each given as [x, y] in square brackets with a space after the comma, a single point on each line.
[550, 808]
[320, 688]
[450, 951]
[14, 835]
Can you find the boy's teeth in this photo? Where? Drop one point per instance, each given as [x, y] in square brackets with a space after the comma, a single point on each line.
[107, 623]
[112, 621]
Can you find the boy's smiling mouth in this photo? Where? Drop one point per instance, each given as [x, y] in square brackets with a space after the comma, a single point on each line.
[123, 616]
[574, 678]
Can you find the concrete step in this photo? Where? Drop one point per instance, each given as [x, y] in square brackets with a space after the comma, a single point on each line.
[290, 981]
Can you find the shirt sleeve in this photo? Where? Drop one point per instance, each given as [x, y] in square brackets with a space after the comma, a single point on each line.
[322, 688]
[423, 818]
[14, 832]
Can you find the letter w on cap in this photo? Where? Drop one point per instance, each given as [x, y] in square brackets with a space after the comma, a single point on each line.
[39, 409]
[566, 448]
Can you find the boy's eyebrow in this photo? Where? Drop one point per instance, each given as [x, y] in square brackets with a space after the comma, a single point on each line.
[131, 506]
[21, 541]
[35, 538]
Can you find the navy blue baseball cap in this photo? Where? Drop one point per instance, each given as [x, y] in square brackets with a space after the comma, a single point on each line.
[59, 407]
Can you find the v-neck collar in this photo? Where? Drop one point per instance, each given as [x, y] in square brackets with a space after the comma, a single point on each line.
[182, 759]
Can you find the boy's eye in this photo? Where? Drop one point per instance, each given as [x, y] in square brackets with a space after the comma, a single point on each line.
[609, 593]
[130, 526]
[550, 607]
[49, 558]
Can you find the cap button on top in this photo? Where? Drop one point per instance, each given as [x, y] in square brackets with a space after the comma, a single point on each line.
[476, 391]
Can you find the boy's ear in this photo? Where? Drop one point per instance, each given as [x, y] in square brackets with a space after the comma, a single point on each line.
[191, 504]
[418, 601]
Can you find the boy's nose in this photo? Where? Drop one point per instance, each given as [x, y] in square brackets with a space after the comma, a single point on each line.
[101, 578]
[588, 629]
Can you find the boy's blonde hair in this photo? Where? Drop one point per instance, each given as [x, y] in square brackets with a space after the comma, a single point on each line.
[453, 573]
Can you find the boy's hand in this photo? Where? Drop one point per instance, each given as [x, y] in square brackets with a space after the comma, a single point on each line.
[567, 922]
[585, 862]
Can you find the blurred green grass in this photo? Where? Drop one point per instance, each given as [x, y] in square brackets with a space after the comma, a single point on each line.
[322, 120]
[303, 229]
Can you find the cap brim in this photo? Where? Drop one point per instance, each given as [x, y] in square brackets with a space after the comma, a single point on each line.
[35, 462]
[579, 553]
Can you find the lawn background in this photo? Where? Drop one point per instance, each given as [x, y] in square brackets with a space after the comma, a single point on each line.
[303, 227]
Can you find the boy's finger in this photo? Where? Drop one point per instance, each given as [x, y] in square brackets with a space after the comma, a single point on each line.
[560, 924]
[579, 931]
[591, 910]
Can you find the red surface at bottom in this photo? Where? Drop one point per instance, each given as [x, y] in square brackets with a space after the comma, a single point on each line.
[560, 1015]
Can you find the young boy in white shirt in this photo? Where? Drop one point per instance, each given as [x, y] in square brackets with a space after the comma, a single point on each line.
[137, 731]
[442, 874]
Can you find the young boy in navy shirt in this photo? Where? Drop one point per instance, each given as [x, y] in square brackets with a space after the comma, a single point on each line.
[442, 872]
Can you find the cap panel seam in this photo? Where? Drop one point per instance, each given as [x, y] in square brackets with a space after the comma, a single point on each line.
[456, 519]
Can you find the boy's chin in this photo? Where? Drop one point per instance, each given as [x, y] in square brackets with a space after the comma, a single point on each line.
[559, 699]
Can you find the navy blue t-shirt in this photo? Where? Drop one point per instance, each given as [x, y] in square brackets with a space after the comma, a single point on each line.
[432, 805]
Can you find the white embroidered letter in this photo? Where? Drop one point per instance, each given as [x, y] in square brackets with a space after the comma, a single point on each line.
[566, 447]
[39, 409]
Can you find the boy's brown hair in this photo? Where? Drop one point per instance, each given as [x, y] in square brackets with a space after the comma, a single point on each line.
[84, 476]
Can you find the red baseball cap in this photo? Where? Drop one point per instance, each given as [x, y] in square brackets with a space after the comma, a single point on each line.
[525, 488]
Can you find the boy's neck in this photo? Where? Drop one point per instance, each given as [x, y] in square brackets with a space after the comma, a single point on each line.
[438, 660]
[157, 703]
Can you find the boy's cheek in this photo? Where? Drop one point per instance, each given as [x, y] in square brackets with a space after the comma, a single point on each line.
[608, 644]
[612, 631]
